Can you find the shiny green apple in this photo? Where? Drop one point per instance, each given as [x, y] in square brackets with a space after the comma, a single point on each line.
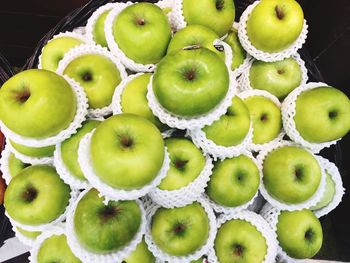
[34, 151]
[328, 194]
[140, 254]
[15, 165]
[99, 29]
[28, 234]
[238, 53]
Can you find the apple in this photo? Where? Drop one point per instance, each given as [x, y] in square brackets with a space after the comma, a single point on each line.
[291, 174]
[142, 32]
[102, 228]
[29, 234]
[218, 15]
[194, 35]
[121, 145]
[187, 162]
[266, 118]
[322, 114]
[238, 53]
[299, 233]
[140, 254]
[36, 196]
[328, 194]
[134, 100]
[98, 75]
[15, 165]
[56, 249]
[279, 78]
[200, 260]
[234, 181]
[54, 50]
[38, 152]
[37, 103]
[69, 149]
[274, 25]
[232, 128]
[239, 241]
[2, 190]
[191, 82]
[99, 29]
[180, 231]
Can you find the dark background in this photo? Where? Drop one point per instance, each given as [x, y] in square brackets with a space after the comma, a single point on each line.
[24, 22]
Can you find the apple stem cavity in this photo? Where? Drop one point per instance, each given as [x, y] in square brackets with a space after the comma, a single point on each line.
[263, 117]
[179, 228]
[23, 96]
[279, 12]
[238, 250]
[309, 235]
[87, 76]
[280, 71]
[219, 4]
[298, 173]
[332, 114]
[180, 164]
[108, 212]
[190, 74]
[30, 194]
[126, 141]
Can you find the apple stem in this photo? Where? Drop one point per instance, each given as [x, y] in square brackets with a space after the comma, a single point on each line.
[279, 12]
[126, 141]
[219, 4]
[179, 228]
[238, 250]
[141, 22]
[280, 71]
[109, 212]
[180, 164]
[30, 194]
[263, 117]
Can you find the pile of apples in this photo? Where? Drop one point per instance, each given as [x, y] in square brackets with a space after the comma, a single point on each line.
[154, 134]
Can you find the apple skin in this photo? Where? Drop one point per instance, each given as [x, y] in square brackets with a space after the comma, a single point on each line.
[98, 75]
[187, 162]
[274, 25]
[322, 114]
[122, 141]
[142, 32]
[218, 15]
[231, 128]
[191, 82]
[54, 51]
[34, 151]
[99, 30]
[56, 249]
[239, 241]
[299, 233]
[291, 174]
[134, 100]
[140, 254]
[266, 118]
[279, 78]
[69, 148]
[234, 181]
[328, 194]
[104, 228]
[15, 165]
[194, 35]
[29, 234]
[238, 52]
[37, 195]
[180, 231]
[31, 109]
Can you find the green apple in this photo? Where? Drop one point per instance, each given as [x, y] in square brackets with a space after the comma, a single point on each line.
[134, 100]
[279, 78]
[266, 118]
[142, 32]
[99, 29]
[234, 181]
[102, 228]
[291, 174]
[231, 128]
[37, 103]
[180, 231]
[69, 149]
[56, 249]
[187, 162]
[98, 75]
[322, 114]
[200, 260]
[194, 35]
[238, 53]
[38, 152]
[191, 82]
[274, 25]
[140, 254]
[36, 196]
[54, 51]
[218, 15]
[15, 165]
[28, 234]
[328, 194]
[121, 145]
[239, 241]
[299, 233]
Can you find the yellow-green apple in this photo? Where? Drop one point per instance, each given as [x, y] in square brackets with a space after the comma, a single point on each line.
[238, 53]
[274, 25]
[291, 174]
[299, 233]
[38, 152]
[28, 234]
[15, 165]
[327, 195]
[142, 32]
[99, 29]
[37, 103]
[218, 15]
[140, 254]
[322, 114]
[180, 231]
[103, 228]
[121, 142]
[191, 82]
